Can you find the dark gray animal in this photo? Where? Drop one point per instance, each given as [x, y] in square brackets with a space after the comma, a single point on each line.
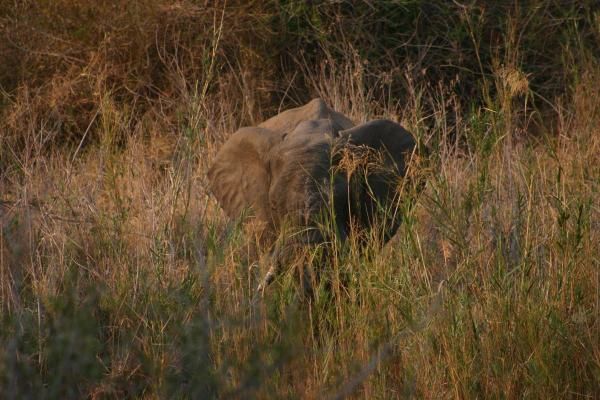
[309, 162]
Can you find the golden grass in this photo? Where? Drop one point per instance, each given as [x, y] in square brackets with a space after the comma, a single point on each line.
[121, 277]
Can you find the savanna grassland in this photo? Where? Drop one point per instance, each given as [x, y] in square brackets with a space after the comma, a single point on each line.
[120, 276]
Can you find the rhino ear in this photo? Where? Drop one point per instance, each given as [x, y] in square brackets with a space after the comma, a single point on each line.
[239, 177]
[384, 136]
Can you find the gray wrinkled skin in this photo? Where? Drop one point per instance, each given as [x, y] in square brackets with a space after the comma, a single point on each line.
[315, 109]
[309, 161]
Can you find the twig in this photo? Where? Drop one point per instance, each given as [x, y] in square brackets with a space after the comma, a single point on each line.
[84, 135]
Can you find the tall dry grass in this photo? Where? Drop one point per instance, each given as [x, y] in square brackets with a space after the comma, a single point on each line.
[121, 277]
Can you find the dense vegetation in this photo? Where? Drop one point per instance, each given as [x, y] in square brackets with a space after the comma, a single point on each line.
[121, 277]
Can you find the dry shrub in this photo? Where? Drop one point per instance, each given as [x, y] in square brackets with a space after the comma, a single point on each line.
[69, 57]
